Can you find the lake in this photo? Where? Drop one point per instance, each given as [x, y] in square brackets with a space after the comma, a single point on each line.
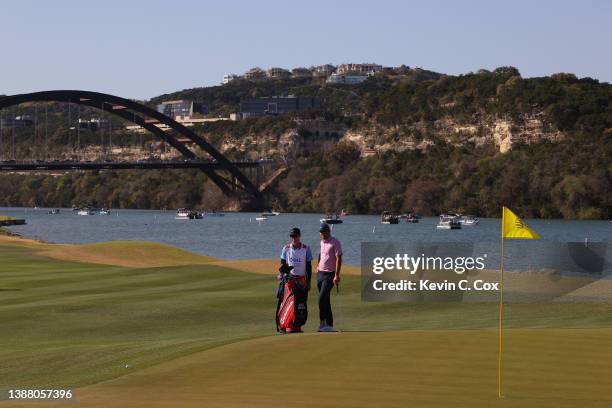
[240, 236]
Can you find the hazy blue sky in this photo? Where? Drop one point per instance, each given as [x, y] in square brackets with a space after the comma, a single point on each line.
[140, 49]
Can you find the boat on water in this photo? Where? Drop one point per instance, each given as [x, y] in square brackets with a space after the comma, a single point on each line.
[448, 222]
[104, 211]
[183, 214]
[411, 218]
[331, 219]
[270, 214]
[261, 218]
[55, 211]
[187, 214]
[388, 217]
[85, 211]
[468, 220]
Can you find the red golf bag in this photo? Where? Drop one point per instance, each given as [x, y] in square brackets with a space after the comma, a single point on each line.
[292, 294]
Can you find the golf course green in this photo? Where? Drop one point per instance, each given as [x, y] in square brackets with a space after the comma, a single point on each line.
[156, 326]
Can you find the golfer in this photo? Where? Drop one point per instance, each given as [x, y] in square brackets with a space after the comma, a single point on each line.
[328, 275]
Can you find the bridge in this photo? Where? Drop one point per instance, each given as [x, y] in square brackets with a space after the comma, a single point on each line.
[57, 165]
[219, 169]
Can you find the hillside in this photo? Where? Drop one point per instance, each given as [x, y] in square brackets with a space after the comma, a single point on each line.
[410, 139]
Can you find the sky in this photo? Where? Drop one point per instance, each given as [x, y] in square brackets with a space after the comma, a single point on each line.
[140, 49]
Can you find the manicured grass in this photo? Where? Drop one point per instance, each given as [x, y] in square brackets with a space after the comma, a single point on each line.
[76, 323]
[203, 335]
[136, 254]
[417, 368]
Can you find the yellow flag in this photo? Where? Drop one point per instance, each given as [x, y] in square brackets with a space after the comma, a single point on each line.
[513, 227]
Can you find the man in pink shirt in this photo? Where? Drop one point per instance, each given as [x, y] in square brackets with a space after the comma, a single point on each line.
[328, 275]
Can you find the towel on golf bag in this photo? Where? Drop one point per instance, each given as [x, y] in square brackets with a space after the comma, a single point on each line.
[292, 294]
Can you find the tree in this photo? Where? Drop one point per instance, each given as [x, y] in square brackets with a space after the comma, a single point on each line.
[342, 156]
[507, 70]
[382, 191]
[425, 197]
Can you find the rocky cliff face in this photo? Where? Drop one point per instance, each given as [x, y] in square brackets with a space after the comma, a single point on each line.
[504, 133]
[306, 136]
[316, 135]
[528, 130]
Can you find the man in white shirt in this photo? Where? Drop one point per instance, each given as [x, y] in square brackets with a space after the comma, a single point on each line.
[298, 255]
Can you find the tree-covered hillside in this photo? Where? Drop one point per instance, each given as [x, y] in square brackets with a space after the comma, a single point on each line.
[568, 175]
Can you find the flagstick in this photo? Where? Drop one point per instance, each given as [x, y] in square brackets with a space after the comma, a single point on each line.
[501, 317]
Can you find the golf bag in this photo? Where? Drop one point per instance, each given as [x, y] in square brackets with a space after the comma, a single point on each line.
[292, 293]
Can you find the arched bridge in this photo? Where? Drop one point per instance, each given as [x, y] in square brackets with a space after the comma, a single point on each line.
[148, 118]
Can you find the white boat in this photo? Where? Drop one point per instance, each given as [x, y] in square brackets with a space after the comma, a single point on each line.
[410, 218]
[270, 214]
[448, 222]
[104, 211]
[331, 219]
[261, 218]
[85, 211]
[187, 214]
[182, 214]
[388, 218]
[468, 220]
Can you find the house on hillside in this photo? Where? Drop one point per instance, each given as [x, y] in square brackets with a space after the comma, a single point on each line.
[275, 105]
[182, 108]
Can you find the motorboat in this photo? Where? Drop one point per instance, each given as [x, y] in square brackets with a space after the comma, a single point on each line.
[104, 211]
[448, 222]
[262, 217]
[54, 211]
[412, 218]
[85, 211]
[183, 214]
[187, 214]
[468, 220]
[388, 217]
[331, 219]
[270, 214]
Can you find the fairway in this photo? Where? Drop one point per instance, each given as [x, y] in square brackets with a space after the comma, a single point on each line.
[203, 335]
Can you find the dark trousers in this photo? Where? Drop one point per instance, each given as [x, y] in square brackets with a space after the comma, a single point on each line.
[325, 283]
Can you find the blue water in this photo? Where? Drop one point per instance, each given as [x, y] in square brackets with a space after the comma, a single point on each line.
[239, 236]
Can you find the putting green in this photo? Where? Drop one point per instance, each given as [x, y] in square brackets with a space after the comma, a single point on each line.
[544, 368]
[203, 335]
